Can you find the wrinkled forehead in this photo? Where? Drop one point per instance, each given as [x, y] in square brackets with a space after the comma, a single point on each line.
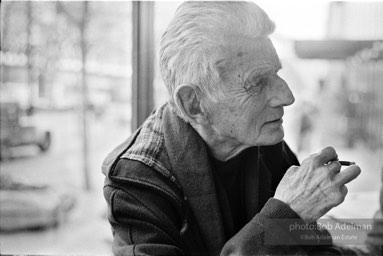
[246, 54]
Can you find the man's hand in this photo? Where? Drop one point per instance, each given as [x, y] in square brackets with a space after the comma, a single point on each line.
[316, 186]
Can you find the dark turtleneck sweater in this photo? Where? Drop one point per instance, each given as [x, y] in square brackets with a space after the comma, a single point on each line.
[229, 180]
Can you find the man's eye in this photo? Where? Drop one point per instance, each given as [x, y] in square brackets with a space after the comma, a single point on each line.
[253, 86]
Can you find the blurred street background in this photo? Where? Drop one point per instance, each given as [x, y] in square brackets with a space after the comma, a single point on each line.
[67, 100]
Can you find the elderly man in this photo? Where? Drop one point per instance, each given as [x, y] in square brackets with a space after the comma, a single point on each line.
[209, 173]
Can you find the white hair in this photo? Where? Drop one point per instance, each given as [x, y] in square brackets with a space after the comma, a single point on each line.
[192, 46]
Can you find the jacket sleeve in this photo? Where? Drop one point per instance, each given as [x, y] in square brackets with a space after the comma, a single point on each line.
[144, 219]
[276, 230]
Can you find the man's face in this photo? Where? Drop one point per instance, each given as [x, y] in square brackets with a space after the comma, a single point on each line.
[251, 113]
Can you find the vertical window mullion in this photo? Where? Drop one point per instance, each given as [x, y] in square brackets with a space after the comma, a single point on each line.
[143, 61]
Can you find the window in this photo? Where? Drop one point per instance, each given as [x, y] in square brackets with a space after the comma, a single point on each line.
[59, 121]
[66, 102]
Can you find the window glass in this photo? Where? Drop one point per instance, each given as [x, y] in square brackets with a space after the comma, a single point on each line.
[59, 121]
[338, 100]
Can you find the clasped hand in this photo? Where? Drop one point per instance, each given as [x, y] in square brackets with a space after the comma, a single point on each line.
[316, 186]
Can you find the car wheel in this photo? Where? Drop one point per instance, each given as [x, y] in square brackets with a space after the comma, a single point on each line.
[46, 143]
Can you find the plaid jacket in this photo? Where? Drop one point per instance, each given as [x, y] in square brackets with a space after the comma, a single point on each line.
[162, 198]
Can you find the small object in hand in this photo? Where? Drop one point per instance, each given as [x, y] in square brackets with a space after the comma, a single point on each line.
[346, 163]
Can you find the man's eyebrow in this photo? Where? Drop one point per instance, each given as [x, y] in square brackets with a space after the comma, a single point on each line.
[265, 70]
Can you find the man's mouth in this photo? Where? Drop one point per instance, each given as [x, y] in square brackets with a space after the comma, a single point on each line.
[279, 120]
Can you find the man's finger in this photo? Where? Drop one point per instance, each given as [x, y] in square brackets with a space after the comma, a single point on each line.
[291, 171]
[344, 191]
[334, 167]
[348, 174]
[326, 155]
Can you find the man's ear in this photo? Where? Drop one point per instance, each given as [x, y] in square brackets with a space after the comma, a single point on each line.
[188, 101]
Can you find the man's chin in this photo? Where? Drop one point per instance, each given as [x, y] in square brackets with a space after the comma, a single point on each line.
[274, 138]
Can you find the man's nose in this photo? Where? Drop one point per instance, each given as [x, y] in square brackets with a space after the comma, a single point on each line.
[280, 93]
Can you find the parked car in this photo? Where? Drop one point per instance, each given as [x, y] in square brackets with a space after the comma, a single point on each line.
[28, 206]
[18, 129]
